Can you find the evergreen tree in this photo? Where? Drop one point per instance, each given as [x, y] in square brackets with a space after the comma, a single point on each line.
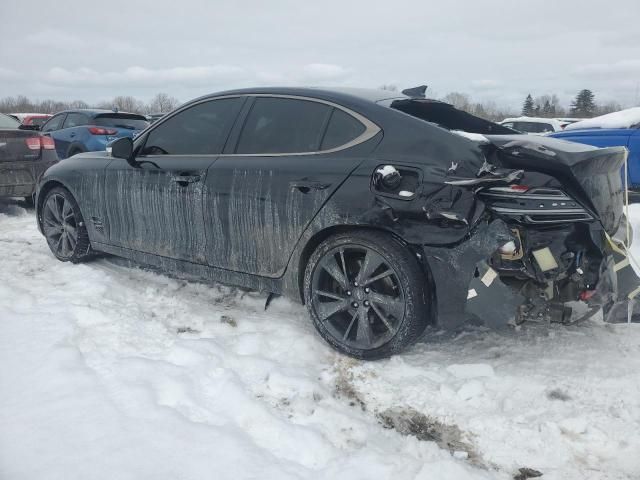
[584, 105]
[527, 106]
[546, 109]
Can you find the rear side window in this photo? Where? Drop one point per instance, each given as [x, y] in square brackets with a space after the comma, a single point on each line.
[342, 129]
[121, 120]
[283, 125]
[75, 119]
[54, 124]
[198, 130]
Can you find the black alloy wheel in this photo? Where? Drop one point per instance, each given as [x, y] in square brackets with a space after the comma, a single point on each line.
[366, 295]
[64, 227]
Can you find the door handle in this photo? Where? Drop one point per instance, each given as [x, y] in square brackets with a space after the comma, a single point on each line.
[184, 179]
[72, 134]
[305, 186]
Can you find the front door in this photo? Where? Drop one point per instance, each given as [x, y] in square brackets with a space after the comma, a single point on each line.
[156, 207]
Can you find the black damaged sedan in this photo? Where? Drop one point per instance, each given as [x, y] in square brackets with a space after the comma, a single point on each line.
[378, 210]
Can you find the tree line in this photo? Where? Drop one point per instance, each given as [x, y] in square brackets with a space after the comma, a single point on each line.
[160, 103]
[583, 106]
[548, 105]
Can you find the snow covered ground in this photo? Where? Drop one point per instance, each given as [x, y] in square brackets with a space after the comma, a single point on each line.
[112, 372]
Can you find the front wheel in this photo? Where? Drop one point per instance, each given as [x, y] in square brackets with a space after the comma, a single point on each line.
[64, 227]
[366, 294]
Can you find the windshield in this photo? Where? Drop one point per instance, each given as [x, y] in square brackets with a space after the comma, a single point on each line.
[8, 122]
[447, 116]
[121, 120]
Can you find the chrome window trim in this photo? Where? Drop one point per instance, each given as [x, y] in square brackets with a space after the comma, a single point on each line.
[370, 131]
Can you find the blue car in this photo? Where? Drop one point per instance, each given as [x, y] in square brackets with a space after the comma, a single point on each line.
[612, 137]
[77, 131]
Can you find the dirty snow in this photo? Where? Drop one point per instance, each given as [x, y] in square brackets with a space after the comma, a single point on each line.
[113, 372]
[622, 119]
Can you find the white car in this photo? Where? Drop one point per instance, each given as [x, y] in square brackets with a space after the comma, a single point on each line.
[533, 125]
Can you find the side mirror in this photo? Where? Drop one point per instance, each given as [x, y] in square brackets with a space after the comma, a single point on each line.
[29, 127]
[123, 148]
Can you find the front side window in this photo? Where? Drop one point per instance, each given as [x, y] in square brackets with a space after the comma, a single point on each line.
[75, 120]
[199, 130]
[283, 125]
[54, 123]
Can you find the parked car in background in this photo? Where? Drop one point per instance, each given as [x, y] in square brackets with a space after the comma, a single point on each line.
[24, 156]
[568, 121]
[33, 120]
[533, 125]
[618, 129]
[153, 117]
[86, 130]
[357, 204]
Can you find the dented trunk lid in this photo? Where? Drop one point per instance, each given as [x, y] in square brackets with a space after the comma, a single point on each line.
[589, 173]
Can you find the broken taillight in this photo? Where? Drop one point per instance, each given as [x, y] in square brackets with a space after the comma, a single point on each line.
[586, 295]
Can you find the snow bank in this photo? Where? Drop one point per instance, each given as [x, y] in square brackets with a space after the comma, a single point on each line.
[112, 372]
[622, 119]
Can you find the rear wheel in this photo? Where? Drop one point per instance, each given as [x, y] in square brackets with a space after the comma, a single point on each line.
[366, 294]
[64, 226]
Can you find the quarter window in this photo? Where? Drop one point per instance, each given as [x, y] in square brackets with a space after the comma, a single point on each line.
[283, 125]
[198, 130]
[54, 124]
[342, 129]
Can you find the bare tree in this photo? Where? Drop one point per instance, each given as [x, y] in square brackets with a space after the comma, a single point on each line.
[162, 103]
[459, 100]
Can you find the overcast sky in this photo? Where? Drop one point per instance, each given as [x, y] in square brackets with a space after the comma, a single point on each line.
[492, 50]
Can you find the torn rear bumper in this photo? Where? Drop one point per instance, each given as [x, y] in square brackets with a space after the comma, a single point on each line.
[469, 289]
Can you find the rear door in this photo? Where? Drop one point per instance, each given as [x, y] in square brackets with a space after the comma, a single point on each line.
[52, 128]
[157, 207]
[280, 168]
[71, 132]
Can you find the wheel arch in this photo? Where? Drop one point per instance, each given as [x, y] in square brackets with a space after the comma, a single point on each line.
[74, 148]
[42, 193]
[325, 233]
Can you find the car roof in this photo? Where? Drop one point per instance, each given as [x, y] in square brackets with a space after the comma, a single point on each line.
[369, 95]
[96, 111]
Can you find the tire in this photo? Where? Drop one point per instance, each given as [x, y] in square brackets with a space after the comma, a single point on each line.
[384, 294]
[64, 227]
